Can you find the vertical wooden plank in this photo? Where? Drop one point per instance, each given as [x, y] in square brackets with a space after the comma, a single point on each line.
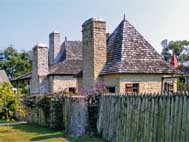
[187, 123]
[173, 112]
[116, 120]
[119, 126]
[99, 121]
[115, 117]
[111, 129]
[155, 119]
[179, 111]
[122, 119]
[108, 118]
[183, 128]
[159, 119]
[175, 137]
[139, 112]
[180, 116]
[142, 119]
[163, 117]
[106, 115]
[133, 118]
[148, 116]
[167, 119]
[128, 120]
[152, 112]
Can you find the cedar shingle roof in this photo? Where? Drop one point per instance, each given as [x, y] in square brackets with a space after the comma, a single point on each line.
[71, 50]
[67, 67]
[129, 52]
[70, 62]
[3, 76]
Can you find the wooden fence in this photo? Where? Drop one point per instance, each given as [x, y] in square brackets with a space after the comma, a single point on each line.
[144, 118]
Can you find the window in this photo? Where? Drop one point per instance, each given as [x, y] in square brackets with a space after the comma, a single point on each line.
[72, 90]
[168, 87]
[110, 89]
[132, 88]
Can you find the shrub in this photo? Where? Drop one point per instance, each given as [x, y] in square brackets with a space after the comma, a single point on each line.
[10, 102]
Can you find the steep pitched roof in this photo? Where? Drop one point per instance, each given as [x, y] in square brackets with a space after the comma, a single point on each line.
[71, 57]
[67, 67]
[3, 76]
[129, 52]
[71, 50]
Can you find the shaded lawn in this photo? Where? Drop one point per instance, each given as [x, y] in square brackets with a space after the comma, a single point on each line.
[28, 132]
[2, 121]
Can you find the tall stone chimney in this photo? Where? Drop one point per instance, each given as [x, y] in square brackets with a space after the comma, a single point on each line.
[94, 50]
[39, 83]
[54, 47]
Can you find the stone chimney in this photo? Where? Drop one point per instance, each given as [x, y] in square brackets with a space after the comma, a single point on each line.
[94, 50]
[54, 47]
[39, 83]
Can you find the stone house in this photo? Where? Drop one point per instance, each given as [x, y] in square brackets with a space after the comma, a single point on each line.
[124, 61]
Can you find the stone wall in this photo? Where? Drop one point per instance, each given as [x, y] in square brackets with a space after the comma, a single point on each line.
[112, 81]
[94, 50]
[148, 83]
[62, 83]
[64, 113]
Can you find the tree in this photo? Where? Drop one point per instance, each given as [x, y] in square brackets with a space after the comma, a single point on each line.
[180, 48]
[16, 63]
[10, 102]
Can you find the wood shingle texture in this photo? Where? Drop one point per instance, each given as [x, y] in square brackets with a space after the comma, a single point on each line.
[71, 50]
[66, 67]
[129, 52]
[70, 61]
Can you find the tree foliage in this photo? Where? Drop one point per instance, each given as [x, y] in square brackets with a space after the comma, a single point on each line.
[16, 63]
[10, 102]
[180, 48]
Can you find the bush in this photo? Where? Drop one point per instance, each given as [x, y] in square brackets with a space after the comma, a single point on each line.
[10, 102]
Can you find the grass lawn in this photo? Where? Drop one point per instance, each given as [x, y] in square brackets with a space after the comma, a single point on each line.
[3, 121]
[28, 132]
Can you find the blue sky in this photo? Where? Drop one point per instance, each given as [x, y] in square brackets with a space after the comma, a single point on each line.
[24, 23]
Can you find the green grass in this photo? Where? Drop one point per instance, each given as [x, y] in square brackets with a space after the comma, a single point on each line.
[28, 132]
[3, 121]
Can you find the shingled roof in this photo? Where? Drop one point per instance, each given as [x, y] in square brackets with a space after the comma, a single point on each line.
[67, 67]
[71, 50]
[129, 52]
[70, 62]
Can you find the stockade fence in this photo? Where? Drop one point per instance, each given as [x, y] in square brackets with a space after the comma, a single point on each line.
[145, 118]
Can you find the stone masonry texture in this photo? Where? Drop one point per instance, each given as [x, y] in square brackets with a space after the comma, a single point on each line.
[94, 50]
[148, 83]
[54, 47]
[39, 83]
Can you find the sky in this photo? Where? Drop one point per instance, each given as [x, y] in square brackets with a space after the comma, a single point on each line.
[26, 23]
